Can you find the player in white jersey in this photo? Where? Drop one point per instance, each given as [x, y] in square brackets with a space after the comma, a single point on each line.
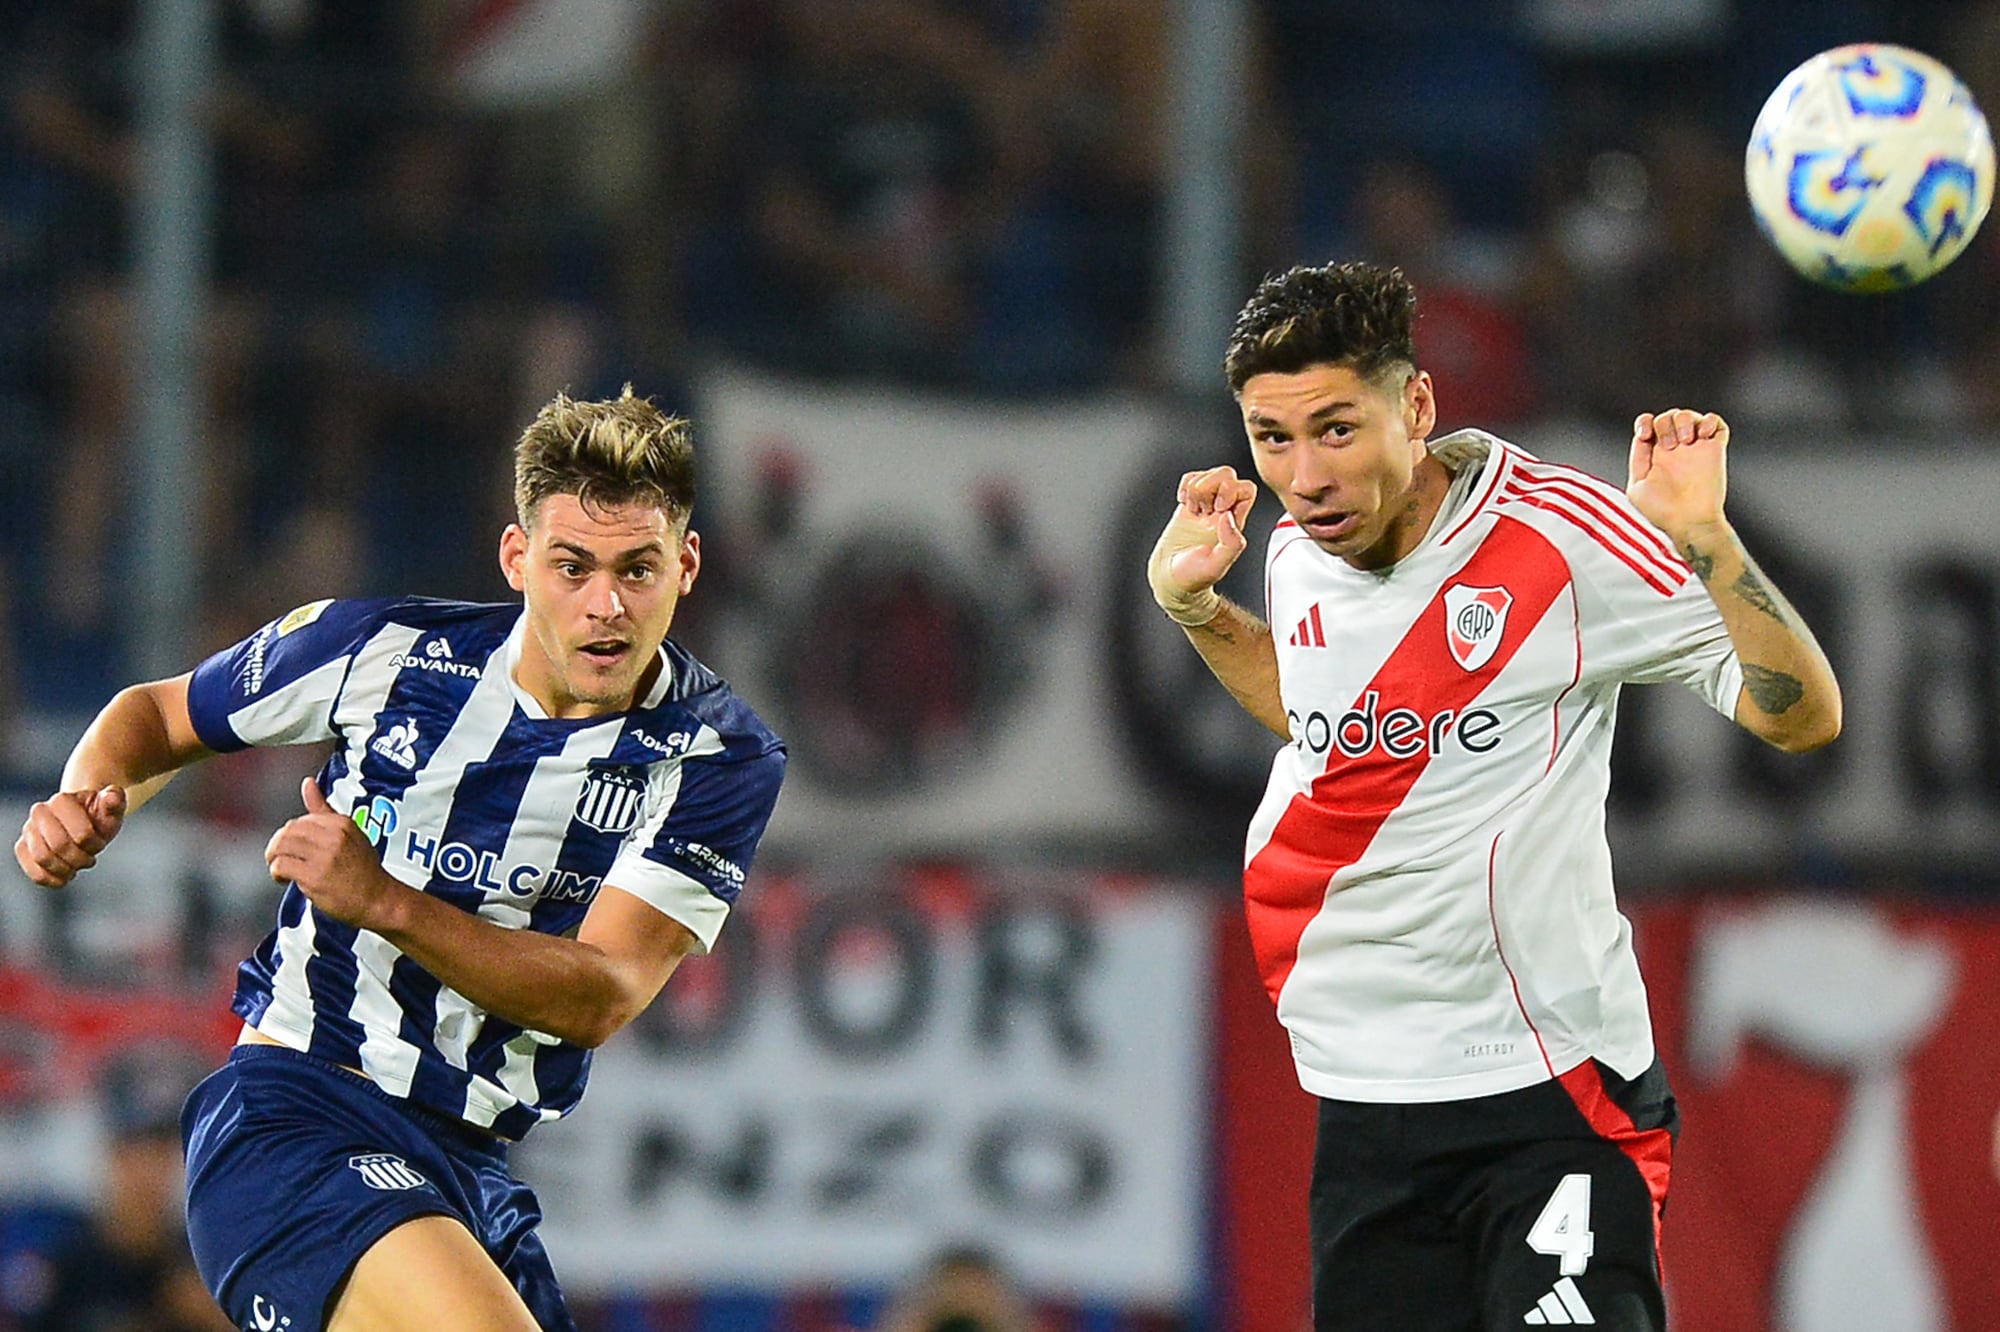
[532, 813]
[1447, 627]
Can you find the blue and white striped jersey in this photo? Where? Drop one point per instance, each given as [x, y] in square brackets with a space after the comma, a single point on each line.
[472, 793]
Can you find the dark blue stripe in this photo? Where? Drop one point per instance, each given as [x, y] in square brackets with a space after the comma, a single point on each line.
[330, 977]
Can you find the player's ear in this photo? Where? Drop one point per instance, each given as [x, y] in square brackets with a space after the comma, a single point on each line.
[514, 557]
[690, 559]
[1420, 410]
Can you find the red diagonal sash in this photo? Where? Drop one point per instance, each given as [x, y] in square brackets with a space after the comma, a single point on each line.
[1333, 824]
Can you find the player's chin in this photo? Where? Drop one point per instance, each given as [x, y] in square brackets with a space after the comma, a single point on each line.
[600, 684]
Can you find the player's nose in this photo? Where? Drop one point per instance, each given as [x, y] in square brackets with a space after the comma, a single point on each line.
[1313, 476]
[602, 600]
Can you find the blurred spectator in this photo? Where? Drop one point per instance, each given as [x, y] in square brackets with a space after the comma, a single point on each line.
[963, 1289]
[1468, 335]
[70, 95]
[1969, 297]
[885, 164]
[126, 1268]
[1067, 290]
[1649, 286]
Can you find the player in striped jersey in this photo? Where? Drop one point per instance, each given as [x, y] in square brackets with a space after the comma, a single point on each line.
[1447, 627]
[532, 813]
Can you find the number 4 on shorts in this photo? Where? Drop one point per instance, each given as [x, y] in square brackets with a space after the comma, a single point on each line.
[1563, 1229]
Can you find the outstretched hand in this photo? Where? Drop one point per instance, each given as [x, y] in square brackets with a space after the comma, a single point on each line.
[63, 834]
[1679, 470]
[328, 856]
[1200, 543]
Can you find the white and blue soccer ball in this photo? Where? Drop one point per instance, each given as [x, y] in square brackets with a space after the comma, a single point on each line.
[1870, 167]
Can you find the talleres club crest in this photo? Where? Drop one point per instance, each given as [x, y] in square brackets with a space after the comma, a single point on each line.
[1475, 619]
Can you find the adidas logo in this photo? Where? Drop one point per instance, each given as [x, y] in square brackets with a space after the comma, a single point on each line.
[1310, 632]
[1561, 1307]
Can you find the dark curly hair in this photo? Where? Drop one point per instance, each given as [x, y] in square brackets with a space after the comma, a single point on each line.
[1356, 315]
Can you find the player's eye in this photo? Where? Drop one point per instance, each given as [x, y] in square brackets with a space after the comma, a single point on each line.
[570, 569]
[642, 573]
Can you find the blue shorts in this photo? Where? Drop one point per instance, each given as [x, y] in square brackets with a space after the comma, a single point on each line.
[295, 1166]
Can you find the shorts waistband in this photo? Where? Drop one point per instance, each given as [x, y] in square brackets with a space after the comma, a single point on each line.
[457, 1130]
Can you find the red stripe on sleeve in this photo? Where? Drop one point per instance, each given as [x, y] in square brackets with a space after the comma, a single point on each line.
[1665, 586]
[1328, 828]
[1611, 507]
[1609, 511]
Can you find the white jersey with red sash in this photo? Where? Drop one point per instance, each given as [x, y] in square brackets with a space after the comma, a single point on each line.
[1427, 878]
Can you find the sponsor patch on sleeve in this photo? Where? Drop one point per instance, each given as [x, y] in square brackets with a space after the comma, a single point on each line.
[303, 616]
[723, 875]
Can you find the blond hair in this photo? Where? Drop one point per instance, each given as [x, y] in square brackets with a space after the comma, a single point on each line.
[622, 450]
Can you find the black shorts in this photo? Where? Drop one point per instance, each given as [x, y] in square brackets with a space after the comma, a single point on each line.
[1532, 1208]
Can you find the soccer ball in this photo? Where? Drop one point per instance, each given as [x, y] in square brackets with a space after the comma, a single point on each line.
[1870, 167]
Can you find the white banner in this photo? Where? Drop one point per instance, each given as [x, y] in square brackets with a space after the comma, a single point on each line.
[919, 591]
[1891, 550]
[946, 613]
[860, 1075]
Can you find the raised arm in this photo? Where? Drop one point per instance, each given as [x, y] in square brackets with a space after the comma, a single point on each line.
[133, 747]
[1679, 477]
[1198, 546]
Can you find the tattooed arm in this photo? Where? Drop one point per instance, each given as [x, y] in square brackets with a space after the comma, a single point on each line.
[1678, 480]
[1198, 545]
[1237, 647]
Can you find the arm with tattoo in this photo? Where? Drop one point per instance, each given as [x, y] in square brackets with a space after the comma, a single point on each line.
[1678, 480]
[1237, 647]
[1790, 697]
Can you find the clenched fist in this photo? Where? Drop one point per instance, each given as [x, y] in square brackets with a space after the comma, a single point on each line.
[1679, 474]
[329, 858]
[1200, 542]
[64, 833]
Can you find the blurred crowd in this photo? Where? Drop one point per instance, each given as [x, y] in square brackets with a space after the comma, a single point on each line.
[429, 216]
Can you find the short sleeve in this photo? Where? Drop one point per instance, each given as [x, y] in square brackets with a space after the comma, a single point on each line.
[691, 858]
[278, 686]
[1646, 619]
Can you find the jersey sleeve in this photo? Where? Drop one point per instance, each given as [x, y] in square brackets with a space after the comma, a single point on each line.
[278, 686]
[1646, 619]
[691, 857]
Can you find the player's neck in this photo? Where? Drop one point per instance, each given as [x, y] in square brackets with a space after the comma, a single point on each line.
[1430, 482]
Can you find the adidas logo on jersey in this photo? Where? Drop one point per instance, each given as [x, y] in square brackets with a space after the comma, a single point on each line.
[1310, 633]
[1561, 1307]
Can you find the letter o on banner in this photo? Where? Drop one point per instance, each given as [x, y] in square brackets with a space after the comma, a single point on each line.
[1041, 1166]
[706, 1008]
[865, 925]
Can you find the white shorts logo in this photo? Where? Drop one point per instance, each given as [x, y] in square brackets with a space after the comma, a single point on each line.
[380, 1170]
[1475, 619]
[264, 1316]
